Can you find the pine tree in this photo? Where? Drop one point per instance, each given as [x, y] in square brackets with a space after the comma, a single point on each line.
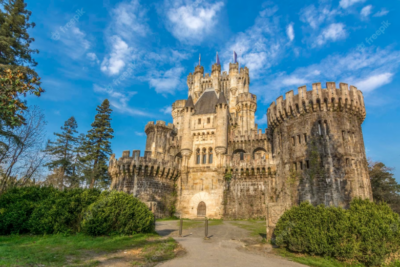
[15, 51]
[62, 151]
[98, 147]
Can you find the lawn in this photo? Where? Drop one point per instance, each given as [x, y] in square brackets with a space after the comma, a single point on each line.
[82, 250]
[256, 227]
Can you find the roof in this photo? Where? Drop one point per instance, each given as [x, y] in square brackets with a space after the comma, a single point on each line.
[222, 99]
[189, 102]
[206, 103]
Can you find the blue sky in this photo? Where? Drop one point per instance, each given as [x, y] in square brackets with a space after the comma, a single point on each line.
[138, 54]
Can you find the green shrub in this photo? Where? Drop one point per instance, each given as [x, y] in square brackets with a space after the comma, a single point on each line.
[117, 212]
[62, 212]
[366, 232]
[17, 205]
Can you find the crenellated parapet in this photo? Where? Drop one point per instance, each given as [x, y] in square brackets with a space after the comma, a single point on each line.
[237, 136]
[146, 166]
[161, 125]
[329, 99]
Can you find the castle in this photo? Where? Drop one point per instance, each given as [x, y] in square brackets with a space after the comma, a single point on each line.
[213, 160]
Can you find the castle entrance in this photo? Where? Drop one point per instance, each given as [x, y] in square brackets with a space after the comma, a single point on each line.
[201, 209]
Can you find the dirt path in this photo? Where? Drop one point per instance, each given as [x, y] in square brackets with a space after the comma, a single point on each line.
[228, 245]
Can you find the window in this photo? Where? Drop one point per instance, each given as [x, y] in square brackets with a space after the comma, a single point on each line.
[208, 120]
[198, 156]
[305, 138]
[241, 156]
[343, 135]
[204, 156]
[299, 138]
[308, 164]
[319, 128]
[295, 166]
[199, 121]
[293, 141]
[210, 156]
[301, 165]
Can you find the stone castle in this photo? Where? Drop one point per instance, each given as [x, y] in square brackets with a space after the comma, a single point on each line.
[213, 160]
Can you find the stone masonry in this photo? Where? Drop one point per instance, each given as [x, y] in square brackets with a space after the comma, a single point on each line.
[213, 160]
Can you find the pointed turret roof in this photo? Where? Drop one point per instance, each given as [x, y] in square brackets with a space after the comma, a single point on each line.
[189, 103]
[221, 99]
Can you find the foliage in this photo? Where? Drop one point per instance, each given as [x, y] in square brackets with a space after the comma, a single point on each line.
[117, 212]
[228, 175]
[17, 206]
[62, 150]
[98, 146]
[78, 250]
[367, 232]
[62, 212]
[384, 185]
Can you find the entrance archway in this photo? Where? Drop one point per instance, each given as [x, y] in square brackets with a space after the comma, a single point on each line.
[201, 209]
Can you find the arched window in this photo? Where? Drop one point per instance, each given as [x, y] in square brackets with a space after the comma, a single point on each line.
[210, 155]
[198, 156]
[204, 156]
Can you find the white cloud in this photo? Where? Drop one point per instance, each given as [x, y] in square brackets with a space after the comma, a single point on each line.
[366, 11]
[375, 81]
[314, 17]
[116, 60]
[75, 43]
[260, 46]
[191, 21]
[381, 13]
[348, 3]
[166, 110]
[119, 100]
[166, 82]
[140, 133]
[290, 31]
[93, 57]
[262, 120]
[368, 69]
[334, 32]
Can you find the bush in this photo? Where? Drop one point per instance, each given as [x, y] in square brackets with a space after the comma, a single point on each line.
[17, 205]
[367, 232]
[62, 211]
[117, 212]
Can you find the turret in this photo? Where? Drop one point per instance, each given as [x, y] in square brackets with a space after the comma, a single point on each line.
[215, 76]
[197, 88]
[221, 141]
[157, 136]
[187, 138]
[246, 106]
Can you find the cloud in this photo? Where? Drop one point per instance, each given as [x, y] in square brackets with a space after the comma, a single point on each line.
[375, 81]
[368, 69]
[314, 17]
[366, 11]
[348, 3]
[381, 13]
[74, 41]
[166, 110]
[334, 32]
[262, 120]
[260, 46]
[140, 133]
[191, 21]
[116, 60]
[93, 57]
[119, 100]
[290, 31]
[166, 82]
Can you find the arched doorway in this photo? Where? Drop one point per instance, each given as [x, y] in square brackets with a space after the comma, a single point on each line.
[201, 209]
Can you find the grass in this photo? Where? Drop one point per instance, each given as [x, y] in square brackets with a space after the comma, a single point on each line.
[188, 224]
[79, 250]
[256, 227]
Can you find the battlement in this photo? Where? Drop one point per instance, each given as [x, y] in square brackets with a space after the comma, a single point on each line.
[246, 97]
[254, 135]
[317, 100]
[234, 67]
[198, 69]
[244, 70]
[159, 124]
[216, 68]
[143, 165]
[178, 104]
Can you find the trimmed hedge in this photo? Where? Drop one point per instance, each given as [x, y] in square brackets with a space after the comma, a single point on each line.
[46, 210]
[366, 232]
[117, 212]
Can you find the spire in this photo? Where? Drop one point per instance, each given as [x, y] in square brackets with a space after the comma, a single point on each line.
[217, 59]
[199, 59]
[234, 57]
[189, 103]
[221, 99]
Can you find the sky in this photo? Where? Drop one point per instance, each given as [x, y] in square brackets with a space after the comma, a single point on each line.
[138, 54]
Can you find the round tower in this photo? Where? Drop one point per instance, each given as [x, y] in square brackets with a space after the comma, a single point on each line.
[187, 138]
[318, 142]
[246, 107]
[221, 140]
[157, 136]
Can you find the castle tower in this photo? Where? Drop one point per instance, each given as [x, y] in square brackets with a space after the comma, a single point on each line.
[233, 85]
[187, 138]
[157, 138]
[196, 83]
[221, 141]
[246, 106]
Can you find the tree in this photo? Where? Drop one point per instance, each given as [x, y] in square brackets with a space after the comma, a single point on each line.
[62, 150]
[98, 147]
[15, 51]
[384, 185]
[24, 160]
